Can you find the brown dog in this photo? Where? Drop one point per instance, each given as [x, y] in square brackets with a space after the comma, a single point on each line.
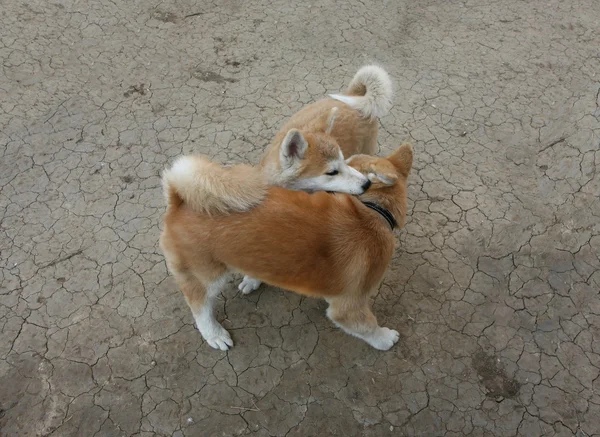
[336, 246]
[305, 153]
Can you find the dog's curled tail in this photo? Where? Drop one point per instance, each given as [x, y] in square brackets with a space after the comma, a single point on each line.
[210, 188]
[369, 92]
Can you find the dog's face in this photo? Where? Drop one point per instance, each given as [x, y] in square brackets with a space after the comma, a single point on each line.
[384, 172]
[314, 162]
[388, 177]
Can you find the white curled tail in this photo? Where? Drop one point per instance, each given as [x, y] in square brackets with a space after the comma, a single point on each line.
[369, 92]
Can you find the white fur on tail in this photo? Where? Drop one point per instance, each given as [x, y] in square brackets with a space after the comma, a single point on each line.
[369, 92]
[210, 188]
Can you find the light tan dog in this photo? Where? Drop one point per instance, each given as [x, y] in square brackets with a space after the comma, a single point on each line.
[305, 153]
[308, 152]
[335, 246]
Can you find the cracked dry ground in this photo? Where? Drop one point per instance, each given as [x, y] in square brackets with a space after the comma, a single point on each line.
[494, 288]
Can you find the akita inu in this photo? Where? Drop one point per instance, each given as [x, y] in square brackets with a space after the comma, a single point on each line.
[335, 246]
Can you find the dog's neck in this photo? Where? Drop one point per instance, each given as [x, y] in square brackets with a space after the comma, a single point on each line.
[390, 198]
[383, 213]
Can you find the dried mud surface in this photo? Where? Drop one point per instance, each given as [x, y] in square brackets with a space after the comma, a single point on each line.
[494, 288]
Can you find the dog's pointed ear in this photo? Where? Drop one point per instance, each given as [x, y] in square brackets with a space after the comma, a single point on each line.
[402, 159]
[293, 147]
[383, 177]
[331, 119]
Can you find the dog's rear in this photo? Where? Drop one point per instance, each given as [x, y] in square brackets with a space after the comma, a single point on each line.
[369, 92]
[197, 189]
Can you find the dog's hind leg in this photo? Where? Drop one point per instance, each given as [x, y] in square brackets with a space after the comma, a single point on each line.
[354, 316]
[248, 285]
[200, 298]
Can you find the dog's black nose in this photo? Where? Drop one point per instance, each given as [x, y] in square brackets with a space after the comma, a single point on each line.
[366, 185]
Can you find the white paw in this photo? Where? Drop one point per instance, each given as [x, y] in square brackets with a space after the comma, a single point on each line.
[384, 338]
[219, 339]
[215, 335]
[248, 285]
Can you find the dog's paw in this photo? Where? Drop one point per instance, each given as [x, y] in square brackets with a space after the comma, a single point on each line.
[219, 339]
[384, 338]
[248, 285]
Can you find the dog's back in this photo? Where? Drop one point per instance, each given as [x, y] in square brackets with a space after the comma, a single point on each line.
[353, 132]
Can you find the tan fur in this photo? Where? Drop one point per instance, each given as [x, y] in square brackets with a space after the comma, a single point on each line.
[395, 168]
[321, 245]
[321, 150]
[352, 131]
[211, 188]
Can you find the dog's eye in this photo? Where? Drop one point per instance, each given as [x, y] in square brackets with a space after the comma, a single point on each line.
[332, 173]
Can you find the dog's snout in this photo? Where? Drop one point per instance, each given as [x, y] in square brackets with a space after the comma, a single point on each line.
[366, 185]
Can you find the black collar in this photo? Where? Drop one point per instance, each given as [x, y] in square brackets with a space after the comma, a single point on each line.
[383, 212]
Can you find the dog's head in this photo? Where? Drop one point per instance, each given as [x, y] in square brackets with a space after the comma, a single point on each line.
[388, 177]
[313, 161]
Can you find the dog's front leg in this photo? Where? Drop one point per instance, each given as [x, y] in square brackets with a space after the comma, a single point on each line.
[355, 317]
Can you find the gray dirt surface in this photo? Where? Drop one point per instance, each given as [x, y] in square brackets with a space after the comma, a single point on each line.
[494, 288]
